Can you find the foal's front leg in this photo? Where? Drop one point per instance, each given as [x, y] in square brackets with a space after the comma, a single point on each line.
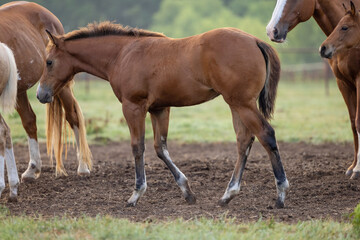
[135, 117]
[160, 123]
[356, 170]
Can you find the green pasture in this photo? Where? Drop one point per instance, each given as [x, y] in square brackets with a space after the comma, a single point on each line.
[111, 228]
[303, 113]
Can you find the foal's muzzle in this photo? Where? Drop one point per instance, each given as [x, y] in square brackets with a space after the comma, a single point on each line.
[44, 94]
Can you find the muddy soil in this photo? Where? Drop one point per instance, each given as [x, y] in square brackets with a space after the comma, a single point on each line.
[319, 188]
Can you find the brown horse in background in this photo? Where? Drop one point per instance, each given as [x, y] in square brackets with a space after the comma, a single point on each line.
[150, 72]
[22, 28]
[344, 39]
[327, 13]
[8, 90]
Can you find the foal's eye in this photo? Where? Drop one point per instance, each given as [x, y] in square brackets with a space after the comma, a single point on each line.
[344, 28]
[49, 62]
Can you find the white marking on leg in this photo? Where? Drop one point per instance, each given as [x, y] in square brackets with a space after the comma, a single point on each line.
[357, 167]
[278, 11]
[82, 168]
[137, 194]
[12, 172]
[281, 189]
[2, 174]
[34, 152]
[34, 168]
[231, 191]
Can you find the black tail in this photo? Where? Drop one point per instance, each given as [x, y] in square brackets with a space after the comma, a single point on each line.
[268, 93]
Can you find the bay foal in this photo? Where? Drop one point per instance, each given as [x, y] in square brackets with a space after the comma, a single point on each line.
[343, 45]
[150, 72]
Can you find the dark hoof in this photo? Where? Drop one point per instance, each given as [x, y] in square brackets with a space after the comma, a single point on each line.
[349, 172]
[225, 202]
[279, 204]
[130, 204]
[190, 199]
[355, 175]
[12, 199]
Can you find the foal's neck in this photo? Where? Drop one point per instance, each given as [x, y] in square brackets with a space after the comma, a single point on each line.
[95, 55]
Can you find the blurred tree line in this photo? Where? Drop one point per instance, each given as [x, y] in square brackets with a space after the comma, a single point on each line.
[182, 18]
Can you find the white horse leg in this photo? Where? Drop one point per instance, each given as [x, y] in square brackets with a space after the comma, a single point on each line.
[356, 170]
[34, 168]
[12, 172]
[83, 169]
[2, 174]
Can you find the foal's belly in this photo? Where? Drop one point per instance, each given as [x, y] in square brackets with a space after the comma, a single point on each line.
[180, 98]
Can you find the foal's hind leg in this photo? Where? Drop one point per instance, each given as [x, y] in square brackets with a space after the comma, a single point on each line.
[160, 123]
[135, 117]
[257, 124]
[244, 142]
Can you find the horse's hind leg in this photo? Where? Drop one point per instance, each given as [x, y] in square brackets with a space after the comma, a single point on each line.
[68, 101]
[258, 125]
[12, 172]
[28, 119]
[160, 123]
[135, 117]
[244, 142]
[349, 95]
[7, 159]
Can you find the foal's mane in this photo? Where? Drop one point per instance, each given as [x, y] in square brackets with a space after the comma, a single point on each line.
[108, 28]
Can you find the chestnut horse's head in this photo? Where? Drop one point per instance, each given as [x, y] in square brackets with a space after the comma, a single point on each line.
[345, 35]
[58, 71]
[287, 14]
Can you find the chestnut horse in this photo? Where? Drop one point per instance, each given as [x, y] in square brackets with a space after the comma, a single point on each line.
[344, 37]
[150, 72]
[22, 28]
[8, 89]
[327, 13]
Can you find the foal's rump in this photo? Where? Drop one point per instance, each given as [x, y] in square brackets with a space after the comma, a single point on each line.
[241, 67]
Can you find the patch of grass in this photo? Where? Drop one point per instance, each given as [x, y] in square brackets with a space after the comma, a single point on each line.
[110, 228]
[303, 113]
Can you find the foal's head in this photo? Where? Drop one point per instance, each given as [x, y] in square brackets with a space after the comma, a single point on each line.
[59, 69]
[346, 34]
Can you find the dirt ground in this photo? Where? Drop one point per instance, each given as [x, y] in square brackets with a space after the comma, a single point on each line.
[319, 188]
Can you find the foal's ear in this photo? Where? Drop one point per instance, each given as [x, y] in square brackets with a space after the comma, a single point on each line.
[344, 7]
[353, 9]
[55, 40]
